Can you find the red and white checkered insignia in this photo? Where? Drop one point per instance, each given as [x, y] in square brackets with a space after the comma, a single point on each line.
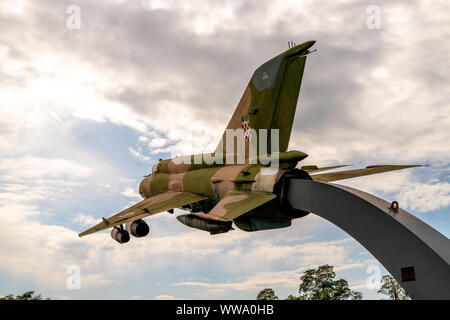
[247, 132]
[245, 123]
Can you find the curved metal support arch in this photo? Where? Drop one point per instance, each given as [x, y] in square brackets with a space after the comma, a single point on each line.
[415, 254]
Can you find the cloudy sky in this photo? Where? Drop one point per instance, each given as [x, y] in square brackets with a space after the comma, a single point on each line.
[85, 113]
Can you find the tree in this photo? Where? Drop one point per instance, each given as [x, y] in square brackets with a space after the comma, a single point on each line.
[29, 295]
[391, 288]
[319, 284]
[267, 294]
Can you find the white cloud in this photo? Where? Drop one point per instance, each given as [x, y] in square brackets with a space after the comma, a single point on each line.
[272, 279]
[57, 297]
[138, 154]
[85, 220]
[47, 250]
[131, 193]
[258, 281]
[30, 178]
[32, 167]
[412, 193]
[164, 297]
[143, 139]
[61, 91]
[157, 143]
[43, 248]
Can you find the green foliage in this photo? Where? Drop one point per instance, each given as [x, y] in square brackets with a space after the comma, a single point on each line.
[392, 289]
[320, 284]
[29, 295]
[267, 294]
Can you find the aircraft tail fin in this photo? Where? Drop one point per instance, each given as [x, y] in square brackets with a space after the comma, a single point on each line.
[270, 99]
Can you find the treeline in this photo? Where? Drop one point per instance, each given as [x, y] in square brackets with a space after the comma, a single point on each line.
[320, 284]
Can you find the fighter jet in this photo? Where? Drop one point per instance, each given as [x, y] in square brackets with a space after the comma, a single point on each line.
[238, 183]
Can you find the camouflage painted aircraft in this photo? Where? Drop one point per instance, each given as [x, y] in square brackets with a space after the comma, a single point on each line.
[221, 193]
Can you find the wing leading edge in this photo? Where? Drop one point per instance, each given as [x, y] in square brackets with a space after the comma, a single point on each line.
[347, 174]
[159, 203]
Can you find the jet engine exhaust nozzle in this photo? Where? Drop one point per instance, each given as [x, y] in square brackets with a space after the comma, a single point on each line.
[120, 235]
[138, 228]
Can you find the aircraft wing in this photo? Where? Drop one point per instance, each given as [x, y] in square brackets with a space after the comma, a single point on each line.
[347, 174]
[159, 203]
[314, 169]
[235, 204]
